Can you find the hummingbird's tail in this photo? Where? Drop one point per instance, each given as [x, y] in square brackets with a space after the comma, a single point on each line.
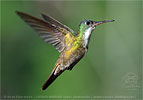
[51, 78]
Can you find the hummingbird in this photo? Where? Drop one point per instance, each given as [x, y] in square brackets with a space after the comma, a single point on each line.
[71, 46]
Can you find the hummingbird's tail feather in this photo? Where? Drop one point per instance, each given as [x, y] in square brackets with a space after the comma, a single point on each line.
[51, 78]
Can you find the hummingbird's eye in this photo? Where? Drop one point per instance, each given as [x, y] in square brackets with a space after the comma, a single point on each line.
[91, 22]
[88, 22]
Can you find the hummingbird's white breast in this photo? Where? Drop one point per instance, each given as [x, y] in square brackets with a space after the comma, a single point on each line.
[86, 36]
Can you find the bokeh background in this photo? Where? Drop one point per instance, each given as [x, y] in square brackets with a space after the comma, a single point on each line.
[112, 68]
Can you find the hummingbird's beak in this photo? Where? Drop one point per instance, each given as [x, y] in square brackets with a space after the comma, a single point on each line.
[101, 22]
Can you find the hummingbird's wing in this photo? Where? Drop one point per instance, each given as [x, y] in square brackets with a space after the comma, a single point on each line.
[57, 23]
[50, 30]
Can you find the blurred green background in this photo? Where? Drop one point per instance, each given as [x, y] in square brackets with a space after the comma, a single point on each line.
[112, 66]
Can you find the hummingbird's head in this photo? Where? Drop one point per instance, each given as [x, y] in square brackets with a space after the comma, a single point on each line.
[86, 24]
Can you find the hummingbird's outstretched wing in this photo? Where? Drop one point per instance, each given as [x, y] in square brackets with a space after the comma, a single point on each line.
[51, 31]
[57, 23]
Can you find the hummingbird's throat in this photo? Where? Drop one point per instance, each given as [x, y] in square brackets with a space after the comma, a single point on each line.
[87, 35]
